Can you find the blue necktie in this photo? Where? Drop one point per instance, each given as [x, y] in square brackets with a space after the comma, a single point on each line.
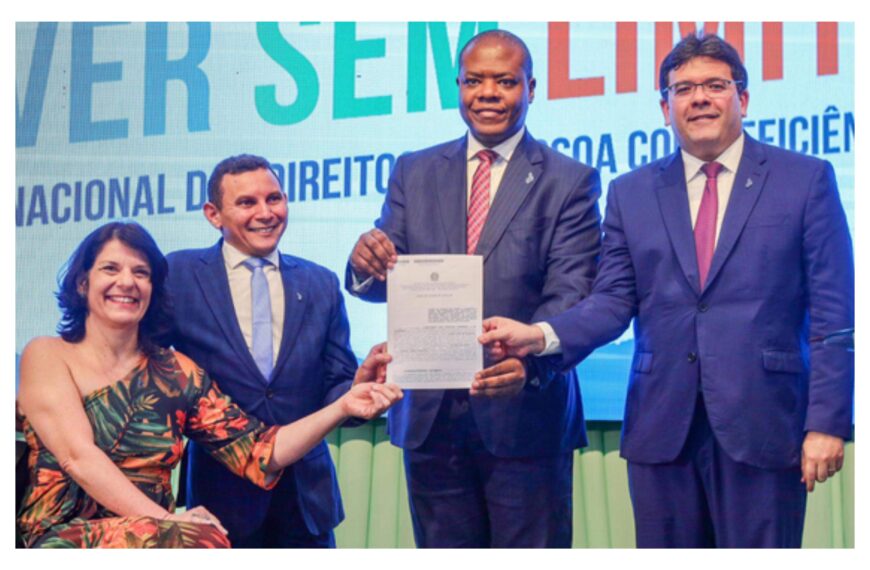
[261, 316]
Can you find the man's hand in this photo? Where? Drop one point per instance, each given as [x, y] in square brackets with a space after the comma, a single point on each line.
[506, 378]
[506, 337]
[374, 367]
[373, 255]
[822, 456]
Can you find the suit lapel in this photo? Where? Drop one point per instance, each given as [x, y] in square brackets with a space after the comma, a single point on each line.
[674, 206]
[522, 174]
[449, 194]
[748, 183]
[214, 283]
[297, 293]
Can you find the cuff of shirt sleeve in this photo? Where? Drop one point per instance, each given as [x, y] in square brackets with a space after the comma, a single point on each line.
[359, 286]
[552, 345]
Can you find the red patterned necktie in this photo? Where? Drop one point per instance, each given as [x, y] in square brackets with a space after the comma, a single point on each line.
[478, 204]
[705, 225]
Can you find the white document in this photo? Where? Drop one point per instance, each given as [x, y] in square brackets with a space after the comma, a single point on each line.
[434, 316]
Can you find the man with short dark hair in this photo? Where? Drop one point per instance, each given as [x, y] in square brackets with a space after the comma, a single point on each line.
[272, 330]
[734, 259]
[492, 466]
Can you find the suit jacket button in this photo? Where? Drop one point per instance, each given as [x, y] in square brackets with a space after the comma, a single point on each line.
[693, 357]
[269, 393]
[703, 307]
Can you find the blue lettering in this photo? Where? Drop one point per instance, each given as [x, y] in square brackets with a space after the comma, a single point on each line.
[162, 208]
[561, 144]
[28, 117]
[382, 175]
[144, 200]
[848, 131]
[37, 206]
[84, 73]
[159, 71]
[56, 210]
[329, 177]
[309, 170]
[582, 150]
[633, 140]
[92, 212]
[763, 126]
[197, 194]
[19, 207]
[829, 131]
[793, 134]
[363, 171]
[119, 196]
[660, 144]
[348, 164]
[606, 156]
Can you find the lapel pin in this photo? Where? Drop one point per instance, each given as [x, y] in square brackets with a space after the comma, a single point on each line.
[749, 182]
[530, 178]
[298, 296]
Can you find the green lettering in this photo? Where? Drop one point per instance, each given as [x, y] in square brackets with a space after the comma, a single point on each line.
[348, 50]
[446, 61]
[299, 68]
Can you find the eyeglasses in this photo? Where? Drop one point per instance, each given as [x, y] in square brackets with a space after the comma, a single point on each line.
[712, 88]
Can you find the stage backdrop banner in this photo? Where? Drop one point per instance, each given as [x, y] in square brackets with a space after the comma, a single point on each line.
[126, 121]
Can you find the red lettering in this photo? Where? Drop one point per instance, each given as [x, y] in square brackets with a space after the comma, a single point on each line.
[734, 36]
[560, 85]
[828, 61]
[626, 57]
[771, 50]
[664, 34]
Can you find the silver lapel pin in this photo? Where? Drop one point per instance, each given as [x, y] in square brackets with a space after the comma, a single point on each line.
[298, 296]
[749, 182]
[530, 178]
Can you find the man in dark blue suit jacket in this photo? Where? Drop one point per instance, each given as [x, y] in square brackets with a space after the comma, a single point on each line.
[312, 360]
[495, 468]
[739, 397]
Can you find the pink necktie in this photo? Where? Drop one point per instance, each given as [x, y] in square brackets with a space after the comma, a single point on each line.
[705, 225]
[478, 204]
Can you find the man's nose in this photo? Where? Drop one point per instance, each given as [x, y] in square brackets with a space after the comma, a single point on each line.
[488, 89]
[263, 210]
[699, 95]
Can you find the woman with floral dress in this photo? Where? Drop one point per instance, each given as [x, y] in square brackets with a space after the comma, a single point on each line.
[104, 410]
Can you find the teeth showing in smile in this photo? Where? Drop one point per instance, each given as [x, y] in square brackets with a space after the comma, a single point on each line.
[126, 300]
[263, 230]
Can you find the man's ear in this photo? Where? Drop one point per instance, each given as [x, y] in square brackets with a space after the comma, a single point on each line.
[666, 111]
[213, 214]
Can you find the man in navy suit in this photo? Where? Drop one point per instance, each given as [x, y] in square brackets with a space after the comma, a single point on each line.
[305, 364]
[734, 259]
[492, 466]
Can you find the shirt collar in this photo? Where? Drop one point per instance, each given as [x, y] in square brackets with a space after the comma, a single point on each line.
[233, 257]
[504, 149]
[730, 159]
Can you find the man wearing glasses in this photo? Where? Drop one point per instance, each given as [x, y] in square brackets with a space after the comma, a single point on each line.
[734, 259]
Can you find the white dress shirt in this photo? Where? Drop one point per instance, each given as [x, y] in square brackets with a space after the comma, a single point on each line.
[240, 290]
[695, 182]
[505, 150]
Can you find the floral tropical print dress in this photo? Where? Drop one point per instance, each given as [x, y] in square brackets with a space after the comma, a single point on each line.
[139, 422]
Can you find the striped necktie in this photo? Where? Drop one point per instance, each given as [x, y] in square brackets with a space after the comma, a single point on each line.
[478, 204]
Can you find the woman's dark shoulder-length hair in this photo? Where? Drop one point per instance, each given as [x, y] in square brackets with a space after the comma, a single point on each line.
[74, 306]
